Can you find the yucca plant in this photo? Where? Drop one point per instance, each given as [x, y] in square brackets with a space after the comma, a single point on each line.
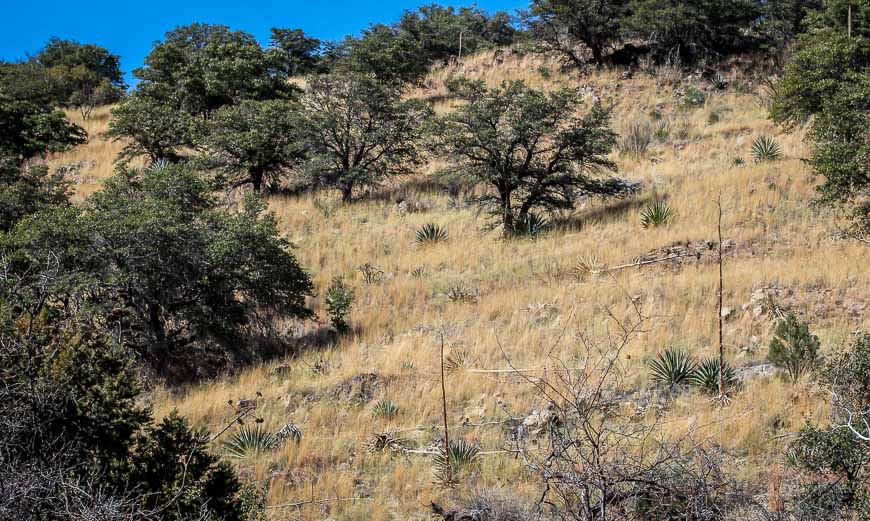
[390, 441]
[531, 225]
[431, 233]
[672, 367]
[765, 148]
[457, 361]
[718, 81]
[385, 409]
[250, 440]
[706, 376]
[738, 161]
[637, 139]
[463, 456]
[586, 266]
[656, 213]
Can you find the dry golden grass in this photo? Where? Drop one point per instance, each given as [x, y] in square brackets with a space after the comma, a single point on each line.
[528, 299]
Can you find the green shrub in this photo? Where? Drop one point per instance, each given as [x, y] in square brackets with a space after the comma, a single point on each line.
[793, 347]
[692, 98]
[658, 213]
[672, 367]
[718, 81]
[339, 301]
[431, 233]
[765, 148]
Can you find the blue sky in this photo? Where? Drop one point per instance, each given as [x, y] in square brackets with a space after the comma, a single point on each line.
[128, 28]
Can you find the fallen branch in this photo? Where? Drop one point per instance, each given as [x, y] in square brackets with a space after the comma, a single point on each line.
[696, 255]
[318, 502]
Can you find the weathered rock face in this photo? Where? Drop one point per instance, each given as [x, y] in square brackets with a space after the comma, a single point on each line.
[75, 171]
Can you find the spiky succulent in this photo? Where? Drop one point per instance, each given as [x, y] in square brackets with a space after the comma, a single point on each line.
[672, 367]
[431, 233]
[250, 440]
[656, 213]
[765, 148]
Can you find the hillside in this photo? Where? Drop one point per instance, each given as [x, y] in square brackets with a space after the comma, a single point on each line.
[524, 302]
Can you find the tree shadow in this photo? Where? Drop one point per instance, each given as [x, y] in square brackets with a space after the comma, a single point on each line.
[602, 213]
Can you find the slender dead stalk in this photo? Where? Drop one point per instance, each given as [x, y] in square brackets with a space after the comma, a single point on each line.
[444, 410]
[722, 394]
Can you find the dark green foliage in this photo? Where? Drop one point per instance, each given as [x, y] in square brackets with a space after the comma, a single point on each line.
[297, 53]
[86, 75]
[199, 68]
[657, 213]
[163, 265]
[831, 450]
[249, 440]
[31, 129]
[793, 347]
[828, 80]
[563, 26]
[672, 367]
[254, 141]
[765, 148]
[358, 132]
[847, 377]
[431, 233]
[24, 190]
[385, 409]
[152, 128]
[692, 29]
[706, 376]
[527, 148]
[339, 301]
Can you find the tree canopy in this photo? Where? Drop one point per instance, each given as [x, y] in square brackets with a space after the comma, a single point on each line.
[529, 148]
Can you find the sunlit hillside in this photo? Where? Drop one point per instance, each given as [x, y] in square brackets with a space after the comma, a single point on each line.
[521, 304]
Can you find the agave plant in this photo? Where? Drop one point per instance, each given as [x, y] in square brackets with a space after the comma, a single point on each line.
[672, 367]
[765, 148]
[457, 361]
[385, 409]
[586, 266]
[461, 457]
[431, 233]
[706, 376]
[250, 440]
[530, 225]
[390, 441]
[657, 213]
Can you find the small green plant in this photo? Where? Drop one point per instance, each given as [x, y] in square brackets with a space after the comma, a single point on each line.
[339, 301]
[545, 72]
[714, 117]
[249, 440]
[706, 376]
[408, 365]
[431, 233]
[461, 457]
[738, 162]
[656, 213]
[718, 81]
[672, 367]
[385, 409]
[532, 225]
[663, 131]
[765, 148]
[289, 432]
[419, 272]
[793, 347]
[692, 98]
[637, 139]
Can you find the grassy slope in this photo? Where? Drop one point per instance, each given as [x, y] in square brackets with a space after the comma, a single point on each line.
[528, 298]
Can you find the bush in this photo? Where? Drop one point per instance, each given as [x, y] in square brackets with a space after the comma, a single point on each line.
[692, 98]
[793, 347]
[339, 301]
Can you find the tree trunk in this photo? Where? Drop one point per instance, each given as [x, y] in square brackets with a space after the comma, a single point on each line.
[257, 180]
[347, 192]
[507, 215]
